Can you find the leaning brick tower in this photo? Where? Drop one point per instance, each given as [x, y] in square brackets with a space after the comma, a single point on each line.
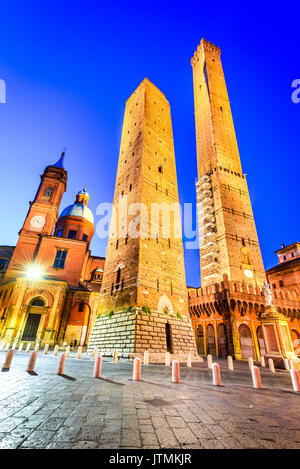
[229, 247]
[143, 300]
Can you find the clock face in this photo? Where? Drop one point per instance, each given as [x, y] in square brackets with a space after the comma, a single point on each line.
[248, 273]
[37, 221]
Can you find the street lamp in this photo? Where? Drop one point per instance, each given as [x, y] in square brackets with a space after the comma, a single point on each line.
[34, 272]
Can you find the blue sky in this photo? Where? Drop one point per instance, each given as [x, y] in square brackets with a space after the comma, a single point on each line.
[70, 66]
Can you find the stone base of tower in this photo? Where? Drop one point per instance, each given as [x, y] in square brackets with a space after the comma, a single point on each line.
[133, 332]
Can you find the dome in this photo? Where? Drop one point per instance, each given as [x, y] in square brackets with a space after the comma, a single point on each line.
[78, 210]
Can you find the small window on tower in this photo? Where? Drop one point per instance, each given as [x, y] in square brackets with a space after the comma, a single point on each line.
[60, 258]
[48, 192]
[72, 234]
[59, 233]
[84, 237]
[280, 283]
[160, 169]
[81, 307]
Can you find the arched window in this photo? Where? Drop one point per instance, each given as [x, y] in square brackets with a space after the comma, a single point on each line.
[37, 302]
[48, 192]
[281, 283]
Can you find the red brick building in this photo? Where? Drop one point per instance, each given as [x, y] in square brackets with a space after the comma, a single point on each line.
[50, 281]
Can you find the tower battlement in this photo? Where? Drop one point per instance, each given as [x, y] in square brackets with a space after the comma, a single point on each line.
[204, 45]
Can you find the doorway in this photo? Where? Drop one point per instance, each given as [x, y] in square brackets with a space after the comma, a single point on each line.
[31, 327]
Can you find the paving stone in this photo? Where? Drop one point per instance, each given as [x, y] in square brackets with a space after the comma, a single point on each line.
[89, 413]
[90, 433]
[38, 439]
[149, 439]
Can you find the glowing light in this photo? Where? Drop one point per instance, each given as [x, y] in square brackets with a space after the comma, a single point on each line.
[34, 272]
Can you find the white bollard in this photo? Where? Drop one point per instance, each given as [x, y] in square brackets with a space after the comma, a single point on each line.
[250, 363]
[271, 365]
[291, 363]
[230, 363]
[32, 360]
[115, 356]
[95, 353]
[137, 369]
[209, 361]
[8, 360]
[295, 379]
[67, 352]
[189, 360]
[28, 347]
[2, 345]
[175, 371]
[256, 377]
[216, 374]
[262, 362]
[97, 366]
[7, 346]
[286, 364]
[37, 346]
[146, 357]
[79, 352]
[61, 365]
[168, 360]
[55, 351]
[21, 347]
[14, 346]
[46, 348]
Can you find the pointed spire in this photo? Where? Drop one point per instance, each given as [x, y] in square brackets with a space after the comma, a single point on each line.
[60, 162]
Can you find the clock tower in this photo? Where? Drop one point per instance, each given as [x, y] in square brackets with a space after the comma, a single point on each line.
[41, 216]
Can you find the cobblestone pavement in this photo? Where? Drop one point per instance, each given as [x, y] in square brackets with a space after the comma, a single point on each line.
[44, 410]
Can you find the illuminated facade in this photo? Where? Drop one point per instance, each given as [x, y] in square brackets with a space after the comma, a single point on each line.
[50, 281]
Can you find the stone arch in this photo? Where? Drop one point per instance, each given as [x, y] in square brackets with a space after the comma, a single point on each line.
[246, 341]
[37, 293]
[164, 303]
[222, 341]
[200, 340]
[211, 340]
[232, 305]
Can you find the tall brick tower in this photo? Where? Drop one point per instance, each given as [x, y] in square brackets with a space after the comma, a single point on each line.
[143, 304]
[229, 247]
